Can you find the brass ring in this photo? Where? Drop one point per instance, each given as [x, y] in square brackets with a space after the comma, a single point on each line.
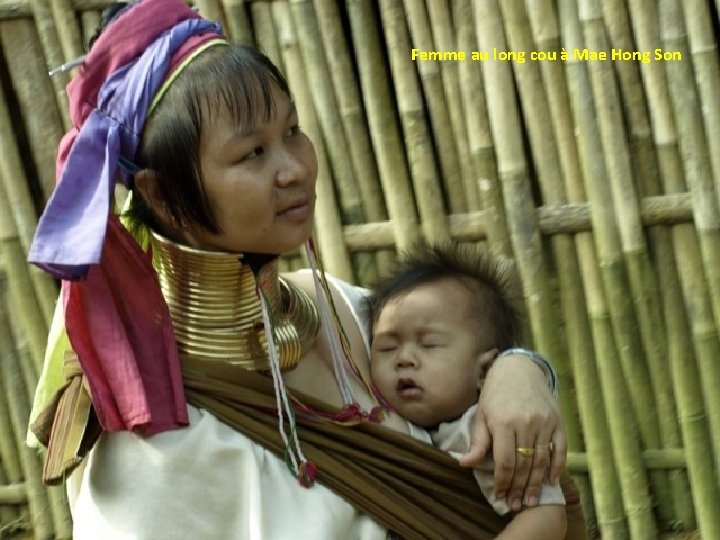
[525, 452]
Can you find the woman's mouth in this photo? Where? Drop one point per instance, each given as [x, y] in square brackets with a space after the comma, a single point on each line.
[300, 210]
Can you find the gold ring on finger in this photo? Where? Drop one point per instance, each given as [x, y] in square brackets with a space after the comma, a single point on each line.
[525, 452]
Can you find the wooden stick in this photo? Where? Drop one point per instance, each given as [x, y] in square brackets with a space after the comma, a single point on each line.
[384, 131]
[547, 164]
[67, 28]
[323, 96]
[266, 33]
[353, 117]
[327, 221]
[13, 494]
[612, 335]
[8, 511]
[687, 386]
[608, 508]
[212, 10]
[14, 389]
[24, 301]
[438, 112]
[238, 27]
[418, 141]
[693, 149]
[640, 171]
[482, 152]
[19, 204]
[446, 39]
[89, 20]
[54, 57]
[704, 52]
[38, 101]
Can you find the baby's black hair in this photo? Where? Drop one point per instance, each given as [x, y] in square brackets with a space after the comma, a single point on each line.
[485, 278]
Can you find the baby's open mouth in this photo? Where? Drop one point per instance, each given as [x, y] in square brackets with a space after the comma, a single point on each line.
[408, 388]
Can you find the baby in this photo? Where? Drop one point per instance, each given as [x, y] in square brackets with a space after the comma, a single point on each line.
[437, 323]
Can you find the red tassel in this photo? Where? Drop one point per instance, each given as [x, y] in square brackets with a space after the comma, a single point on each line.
[306, 474]
[377, 415]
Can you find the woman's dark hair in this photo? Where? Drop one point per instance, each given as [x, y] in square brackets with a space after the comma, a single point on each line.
[233, 79]
[484, 277]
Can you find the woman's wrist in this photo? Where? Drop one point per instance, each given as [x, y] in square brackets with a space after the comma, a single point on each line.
[539, 360]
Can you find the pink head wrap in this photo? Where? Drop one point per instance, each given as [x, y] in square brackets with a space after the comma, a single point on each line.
[116, 318]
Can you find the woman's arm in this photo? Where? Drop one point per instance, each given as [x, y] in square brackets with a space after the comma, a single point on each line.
[539, 523]
[517, 409]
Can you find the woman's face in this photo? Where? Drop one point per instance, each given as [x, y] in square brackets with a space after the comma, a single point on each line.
[260, 182]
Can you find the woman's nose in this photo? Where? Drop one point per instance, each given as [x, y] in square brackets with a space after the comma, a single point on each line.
[291, 168]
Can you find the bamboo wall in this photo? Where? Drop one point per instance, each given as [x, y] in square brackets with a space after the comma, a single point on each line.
[598, 179]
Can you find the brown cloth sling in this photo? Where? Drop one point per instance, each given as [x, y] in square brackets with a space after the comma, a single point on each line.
[408, 486]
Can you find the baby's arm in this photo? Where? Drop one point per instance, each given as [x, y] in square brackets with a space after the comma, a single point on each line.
[546, 522]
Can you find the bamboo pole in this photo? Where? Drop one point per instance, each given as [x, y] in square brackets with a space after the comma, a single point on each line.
[418, 142]
[640, 170]
[328, 227]
[614, 335]
[642, 278]
[238, 21]
[704, 51]
[384, 132]
[19, 204]
[24, 301]
[353, 118]
[684, 369]
[53, 52]
[68, 30]
[432, 89]
[37, 103]
[482, 152]
[212, 10]
[9, 456]
[444, 36]
[323, 96]
[519, 207]
[556, 219]
[89, 21]
[604, 480]
[693, 150]
[534, 101]
[8, 504]
[14, 389]
[265, 32]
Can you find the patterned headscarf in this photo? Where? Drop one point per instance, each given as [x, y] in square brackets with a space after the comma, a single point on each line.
[116, 318]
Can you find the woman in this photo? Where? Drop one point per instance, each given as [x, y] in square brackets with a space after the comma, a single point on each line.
[206, 135]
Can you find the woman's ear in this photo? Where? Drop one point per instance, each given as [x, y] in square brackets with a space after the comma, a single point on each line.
[146, 185]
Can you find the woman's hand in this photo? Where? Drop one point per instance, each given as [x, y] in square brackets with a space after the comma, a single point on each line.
[517, 410]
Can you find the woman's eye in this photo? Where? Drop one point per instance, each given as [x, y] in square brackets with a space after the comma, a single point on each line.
[256, 152]
[294, 130]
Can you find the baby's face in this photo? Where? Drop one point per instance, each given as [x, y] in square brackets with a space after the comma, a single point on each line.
[425, 354]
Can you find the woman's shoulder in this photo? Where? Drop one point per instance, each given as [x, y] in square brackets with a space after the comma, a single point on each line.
[352, 296]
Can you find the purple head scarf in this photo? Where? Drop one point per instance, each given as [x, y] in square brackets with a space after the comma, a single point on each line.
[71, 231]
[116, 317]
